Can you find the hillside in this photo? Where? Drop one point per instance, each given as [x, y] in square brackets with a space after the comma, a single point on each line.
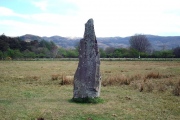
[29, 37]
[158, 42]
[30, 47]
[63, 41]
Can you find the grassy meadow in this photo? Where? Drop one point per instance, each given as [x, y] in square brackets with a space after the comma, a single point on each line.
[137, 90]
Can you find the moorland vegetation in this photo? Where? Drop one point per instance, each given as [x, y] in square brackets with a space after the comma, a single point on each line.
[130, 89]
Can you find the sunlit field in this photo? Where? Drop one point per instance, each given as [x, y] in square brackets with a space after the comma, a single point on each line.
[137, 90]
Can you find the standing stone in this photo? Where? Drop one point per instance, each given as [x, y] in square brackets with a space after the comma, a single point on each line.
[87, 79]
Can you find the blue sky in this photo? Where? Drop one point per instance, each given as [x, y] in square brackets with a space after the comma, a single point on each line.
[111, 17]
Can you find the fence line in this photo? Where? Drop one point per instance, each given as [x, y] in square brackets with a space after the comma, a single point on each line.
[102, 59]
[141, 59]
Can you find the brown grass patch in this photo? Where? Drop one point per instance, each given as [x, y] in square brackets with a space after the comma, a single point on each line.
[64, 79]
[169, 82]
[135, 77]
[146, 86]
[107, 71]
[67, 80]
[120, 80]
[162, 88]
[55, 77]
[33, 78]
[115, 80]
[141, 88]
[153, 75]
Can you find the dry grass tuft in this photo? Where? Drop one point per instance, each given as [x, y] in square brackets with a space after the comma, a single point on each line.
[141, 88]
[120, 80]
[40, 118]
[67, 80]
[55, 77]
[64, 79]
[169, 82]
[157, 76]
[162, 88]
[135, 77]
[148, 87]
[33, 78]
[89, 118]
[142, 81]
[153, 75]
[116, 80]
[176, 90]
[107, 71]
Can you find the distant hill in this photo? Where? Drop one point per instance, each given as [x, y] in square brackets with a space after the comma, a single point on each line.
[29, 37]
[158, 42]
[63, 41]
[161, 42]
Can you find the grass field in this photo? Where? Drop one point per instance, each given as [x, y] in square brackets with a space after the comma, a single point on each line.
[137, 90]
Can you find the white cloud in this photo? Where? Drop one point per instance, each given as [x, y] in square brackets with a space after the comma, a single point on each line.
[61, 26]
[5, 11]
[15, 28]
[43, 24]
[126, 17]
[111, 18]
[43, 4]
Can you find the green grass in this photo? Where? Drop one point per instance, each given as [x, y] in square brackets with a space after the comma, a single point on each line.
[28, 92]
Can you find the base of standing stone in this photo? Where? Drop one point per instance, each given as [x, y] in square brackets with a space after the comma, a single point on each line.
[88, 100]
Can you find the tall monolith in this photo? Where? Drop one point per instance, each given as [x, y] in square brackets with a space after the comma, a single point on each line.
[87, 79]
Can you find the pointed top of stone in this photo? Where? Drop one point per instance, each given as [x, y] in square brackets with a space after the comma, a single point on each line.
[90, 22]
[89, 29]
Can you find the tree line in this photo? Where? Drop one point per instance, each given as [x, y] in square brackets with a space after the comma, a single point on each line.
[133, 53]
[140, 47]
[14, 48]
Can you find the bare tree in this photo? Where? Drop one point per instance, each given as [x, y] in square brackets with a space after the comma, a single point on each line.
[54, 51]
[176, 52]
[109, 50]
[140, 43]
